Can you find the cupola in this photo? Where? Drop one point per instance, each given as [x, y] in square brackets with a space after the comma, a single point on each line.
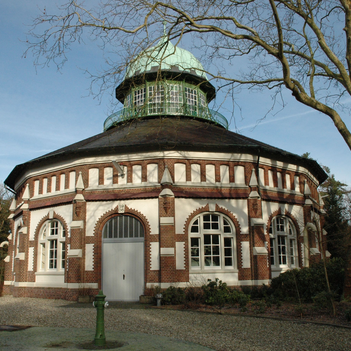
[165, 80]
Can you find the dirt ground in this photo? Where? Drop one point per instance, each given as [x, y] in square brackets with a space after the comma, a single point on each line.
[285, 311]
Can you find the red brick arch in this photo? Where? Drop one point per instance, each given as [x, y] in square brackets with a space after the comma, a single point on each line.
[297, 229]
[98, 235]
[222, 210]
[37, 232]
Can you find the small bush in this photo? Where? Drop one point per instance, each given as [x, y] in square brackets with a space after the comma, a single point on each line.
[173, 296]
[259, 306]
[348, 314]
[323, 299]
[216, 293]
[304, 284]
[239, 297]
[194, 295]
[257, 292]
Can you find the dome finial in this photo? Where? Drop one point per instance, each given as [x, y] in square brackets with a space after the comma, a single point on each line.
[164, 28]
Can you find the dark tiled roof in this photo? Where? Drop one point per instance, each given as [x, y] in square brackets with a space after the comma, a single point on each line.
[160, 134]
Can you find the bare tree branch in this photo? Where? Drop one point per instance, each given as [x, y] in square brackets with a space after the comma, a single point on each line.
[304, 45]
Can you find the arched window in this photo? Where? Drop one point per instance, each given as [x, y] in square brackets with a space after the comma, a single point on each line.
[52, 246]
[123, 227]
[283, 250]
[212, 243]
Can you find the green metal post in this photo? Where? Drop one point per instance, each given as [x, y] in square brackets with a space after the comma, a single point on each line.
[99, 303]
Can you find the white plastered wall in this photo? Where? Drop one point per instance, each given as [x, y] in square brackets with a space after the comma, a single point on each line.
[185, 207]
[148, 207]
[295, 210]
[36, 215]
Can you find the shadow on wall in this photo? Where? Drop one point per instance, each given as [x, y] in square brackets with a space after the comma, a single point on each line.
[3, 254]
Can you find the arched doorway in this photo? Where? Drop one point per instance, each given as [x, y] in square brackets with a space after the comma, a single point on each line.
[123, 259]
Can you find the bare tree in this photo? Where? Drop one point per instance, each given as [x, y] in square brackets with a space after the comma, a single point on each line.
[302, 45]
[5, 202]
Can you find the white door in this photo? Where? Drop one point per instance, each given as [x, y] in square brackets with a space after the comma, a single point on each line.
[123, 259]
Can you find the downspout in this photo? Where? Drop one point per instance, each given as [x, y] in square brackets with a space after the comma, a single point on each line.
[258, 171]
[10, 190]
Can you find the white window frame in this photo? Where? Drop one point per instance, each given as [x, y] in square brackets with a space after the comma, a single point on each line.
[139, 97]
[212, 244]
[283, 244]
[174, 98]
[52, 247]
[156, 98]
[191, 99]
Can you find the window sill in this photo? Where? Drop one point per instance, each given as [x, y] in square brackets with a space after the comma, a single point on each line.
[212, 270]
[53, 272]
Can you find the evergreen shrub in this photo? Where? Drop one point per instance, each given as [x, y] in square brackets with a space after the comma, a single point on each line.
[306, 283]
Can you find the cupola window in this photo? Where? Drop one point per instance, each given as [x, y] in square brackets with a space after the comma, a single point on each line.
[139, 97]
[166, 97]
[156, 98]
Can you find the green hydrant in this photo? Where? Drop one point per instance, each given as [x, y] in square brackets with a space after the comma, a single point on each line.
[100, 305]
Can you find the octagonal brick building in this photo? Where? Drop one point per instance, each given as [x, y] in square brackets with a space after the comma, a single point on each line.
[165, 195]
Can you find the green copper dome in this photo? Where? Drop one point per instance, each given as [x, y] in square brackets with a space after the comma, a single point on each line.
[165, 56]
[165, 80]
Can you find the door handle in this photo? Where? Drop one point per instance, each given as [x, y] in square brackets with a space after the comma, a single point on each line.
[124, 277]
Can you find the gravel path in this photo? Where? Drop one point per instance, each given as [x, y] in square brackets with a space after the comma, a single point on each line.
[219, 332]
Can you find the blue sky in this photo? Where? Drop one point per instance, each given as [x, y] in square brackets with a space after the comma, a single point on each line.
[43, 110]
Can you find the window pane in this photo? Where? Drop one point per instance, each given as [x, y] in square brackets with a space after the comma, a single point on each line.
[228, 251]
[53, 254]
[226, 226]
[214, 218]
[207, 261]
[120, 226]
[212, 250]
[123, 227]
[272, 243]
[282, 249]
[280, 224]
[174, 98]
[195, 252]
[292, 251]
[63, 255]
[207, 250]
[54, 228]
[195, 227]
[227, 229]
[191, 100]
[228, 261]
[43, 256]
[195, 262]
[207, 218]
[207, 225]
[156, 98]
[216, 261]
[227, 242]
[51, 249]
[139, 97]
[194, 242]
